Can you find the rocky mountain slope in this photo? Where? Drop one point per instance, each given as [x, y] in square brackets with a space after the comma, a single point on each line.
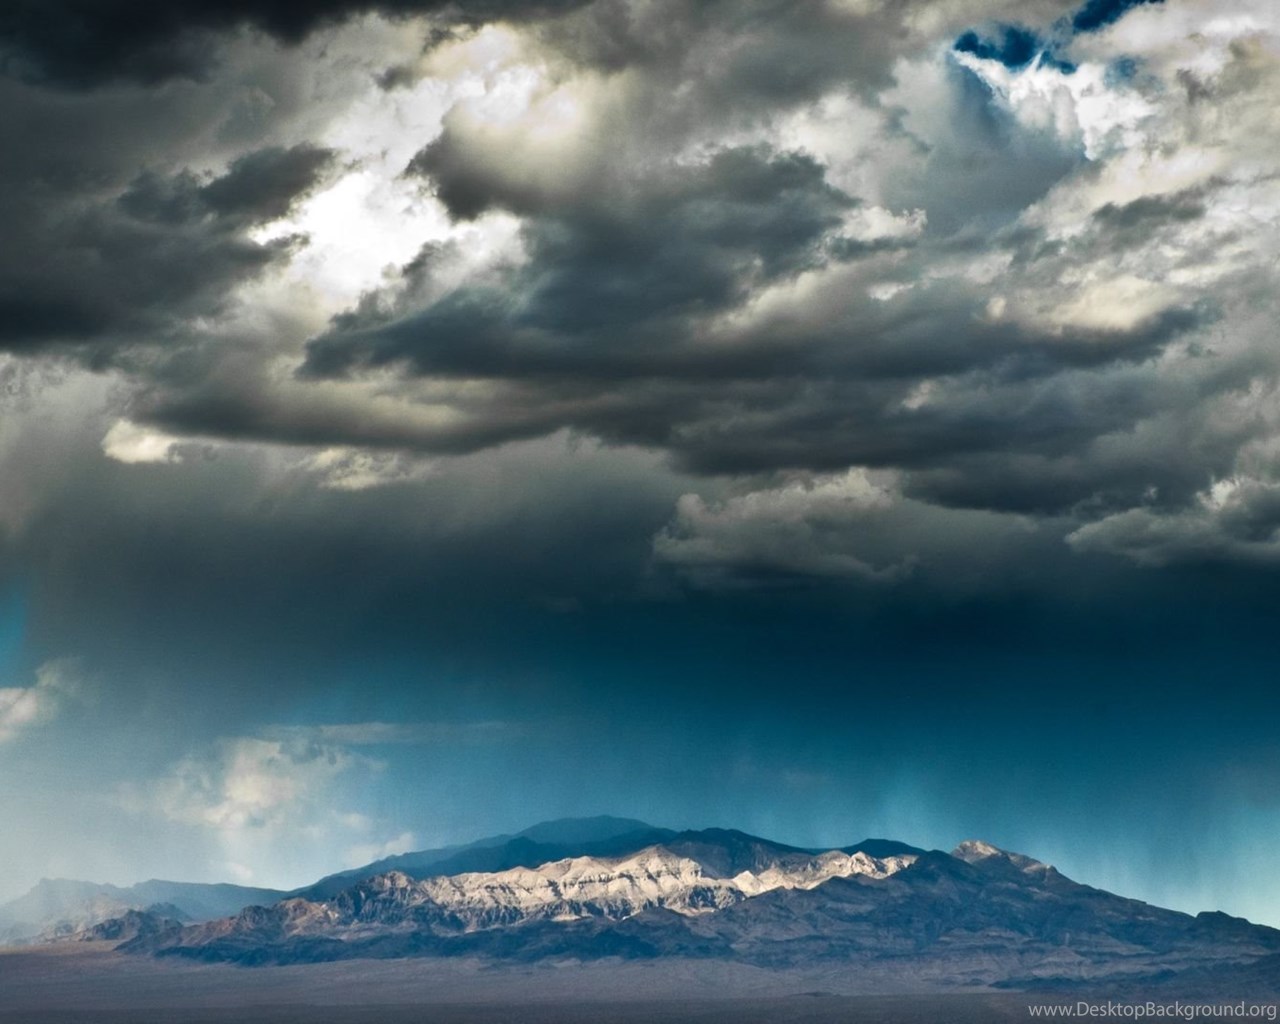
[977, 916]
[60, 907]
[688, 877]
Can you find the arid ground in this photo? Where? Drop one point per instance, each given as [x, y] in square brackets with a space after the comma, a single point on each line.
[88, 985]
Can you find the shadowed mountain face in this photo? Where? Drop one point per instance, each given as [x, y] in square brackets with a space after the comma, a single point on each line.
[579, 837]
[547, 841]
[978, 916]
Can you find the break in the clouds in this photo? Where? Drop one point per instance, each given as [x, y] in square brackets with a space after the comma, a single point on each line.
[408, 362]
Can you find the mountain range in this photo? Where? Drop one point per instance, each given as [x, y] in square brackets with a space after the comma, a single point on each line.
[58, 907]
[589, 889]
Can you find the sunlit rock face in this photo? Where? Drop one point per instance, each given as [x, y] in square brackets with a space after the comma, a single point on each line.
[979, 916]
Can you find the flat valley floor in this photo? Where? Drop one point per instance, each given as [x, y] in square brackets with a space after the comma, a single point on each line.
[87, 984]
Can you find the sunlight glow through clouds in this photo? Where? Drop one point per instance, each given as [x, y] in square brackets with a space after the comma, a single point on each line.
[131, 443]
[374, 218]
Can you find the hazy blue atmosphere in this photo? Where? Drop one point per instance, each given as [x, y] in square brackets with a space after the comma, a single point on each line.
[829, 419]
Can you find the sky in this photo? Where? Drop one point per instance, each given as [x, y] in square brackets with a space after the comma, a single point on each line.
[829, 419]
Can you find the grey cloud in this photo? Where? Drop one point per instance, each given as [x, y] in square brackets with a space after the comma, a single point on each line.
[1238, 523]
[1134, 223]
[715, 266]
[608, 282]
[97, 267]
[615, 322]
[264, 185]
[841, 526]
[822, 392]
[630, 315]
[1181, 206]
[754, 53]
[83, 43]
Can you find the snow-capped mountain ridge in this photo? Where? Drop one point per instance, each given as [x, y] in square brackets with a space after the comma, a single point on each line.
[978, 916]
[654, 877]
[569, 889]
[976, 851]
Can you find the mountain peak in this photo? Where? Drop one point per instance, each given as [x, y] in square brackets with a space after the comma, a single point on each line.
[977, 851]
[583, 830]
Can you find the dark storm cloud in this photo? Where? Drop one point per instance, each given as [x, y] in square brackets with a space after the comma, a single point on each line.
[609, 280]
[263, 186]
[754, 237]
[85, 42]
[611, 323]
[258, 187]
[84, 265]
[610, 326]
[1134, 223]
[741, 53]
[627, 316]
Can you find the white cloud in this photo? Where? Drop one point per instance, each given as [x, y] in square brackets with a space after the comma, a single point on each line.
[359, 469]
[129, 442]
[241, 873]
[25, 707]
[250, 783]
[1080, 107]
[856, 524]
[364, 853]
[806, 526]
[373, 218]
[280, 807]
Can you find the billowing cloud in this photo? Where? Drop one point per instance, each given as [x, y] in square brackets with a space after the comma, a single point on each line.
[1235, 520]
[129, 442]
[84, 44]
[795, 528]
[280, 800]
[250, 783]
[849, 525]
[23, 708]
[135, 264]
[1011, 259]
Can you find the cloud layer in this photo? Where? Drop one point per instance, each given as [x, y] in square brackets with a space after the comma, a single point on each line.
[1016, 263]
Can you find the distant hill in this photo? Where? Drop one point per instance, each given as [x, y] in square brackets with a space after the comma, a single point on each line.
[62, 906]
